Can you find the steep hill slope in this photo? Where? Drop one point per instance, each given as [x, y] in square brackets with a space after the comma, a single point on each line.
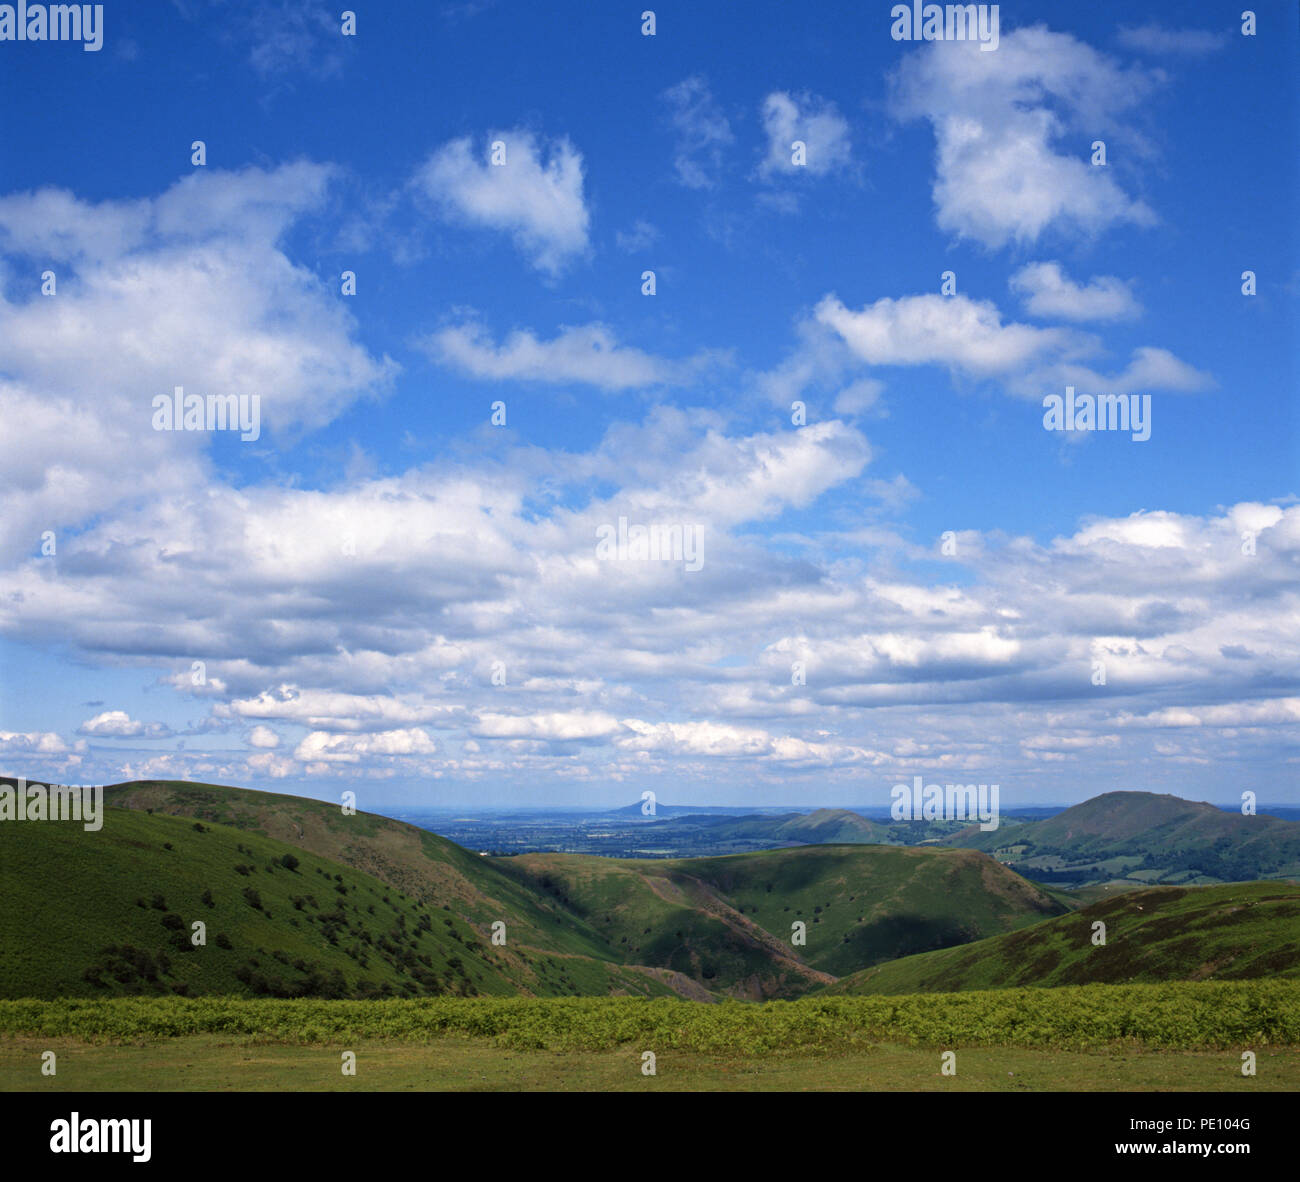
[1241, 930]
[425, 866]
[728, 920]
[113, 911]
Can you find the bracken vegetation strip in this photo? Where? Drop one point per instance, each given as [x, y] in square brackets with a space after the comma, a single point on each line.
[1180, 1016]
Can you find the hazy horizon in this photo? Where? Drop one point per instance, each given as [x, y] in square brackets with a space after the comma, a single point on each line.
[612, 801]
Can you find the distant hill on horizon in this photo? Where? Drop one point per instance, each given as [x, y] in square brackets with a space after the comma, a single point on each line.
[1123, 837]
[1143, 837]
[665, 811]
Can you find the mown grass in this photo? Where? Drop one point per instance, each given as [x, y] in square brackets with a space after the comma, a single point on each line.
[1181, 1016]
[204, 1063]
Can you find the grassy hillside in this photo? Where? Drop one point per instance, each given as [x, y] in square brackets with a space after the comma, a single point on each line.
[826, 826]
[111, 912]
[711, 926]
[728, 920]
[1144, 838]
[413, 860]
[1239, 931]
[865, 904]
[822, 826]
[301, 899]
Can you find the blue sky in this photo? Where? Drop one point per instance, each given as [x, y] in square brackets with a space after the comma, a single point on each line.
[351, 579]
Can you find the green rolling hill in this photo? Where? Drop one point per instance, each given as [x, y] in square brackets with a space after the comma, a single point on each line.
[1143, 838]
[1130, 838]
[728, 920]
[300, 899]
[1229, 932]
[825, 826]
[423, 865]
[822, 826]
[378, 907]
[97, 914]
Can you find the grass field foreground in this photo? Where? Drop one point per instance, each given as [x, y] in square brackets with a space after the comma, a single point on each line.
[212, 1063]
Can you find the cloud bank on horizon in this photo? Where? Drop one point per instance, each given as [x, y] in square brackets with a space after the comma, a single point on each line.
[630, 420]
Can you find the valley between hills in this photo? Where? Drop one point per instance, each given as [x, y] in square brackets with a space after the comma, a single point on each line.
[298, 898]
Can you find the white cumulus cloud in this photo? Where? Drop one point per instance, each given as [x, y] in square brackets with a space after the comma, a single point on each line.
[536, 196]
[1048, 292]
[1009, 130]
